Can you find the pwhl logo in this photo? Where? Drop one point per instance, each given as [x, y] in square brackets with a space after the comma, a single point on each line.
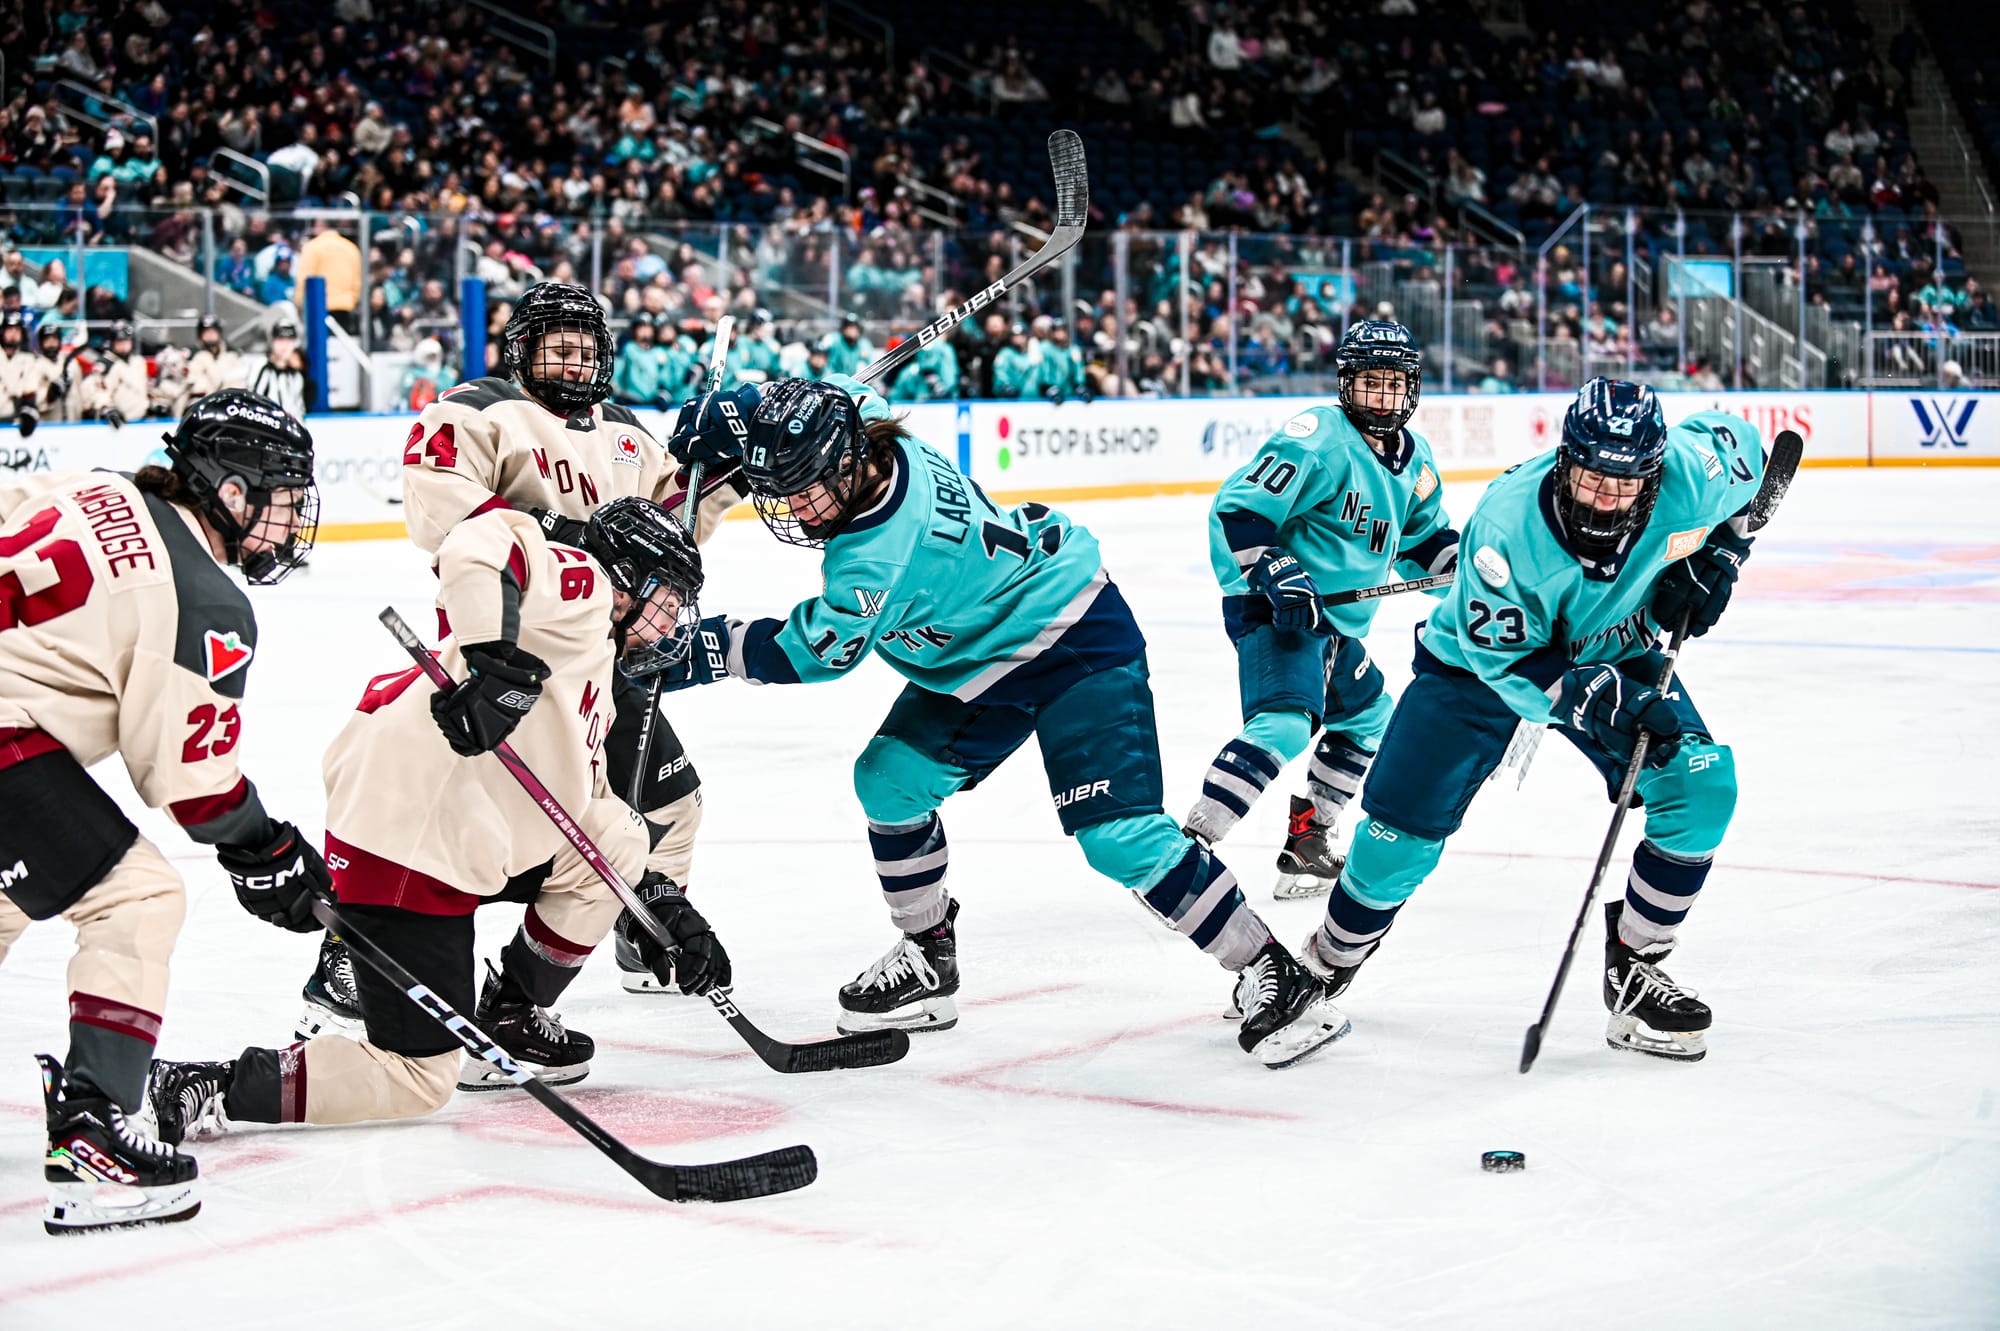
[1944, 420]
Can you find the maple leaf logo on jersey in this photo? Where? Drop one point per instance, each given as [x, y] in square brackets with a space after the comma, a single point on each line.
[223, 653]
[626, 450]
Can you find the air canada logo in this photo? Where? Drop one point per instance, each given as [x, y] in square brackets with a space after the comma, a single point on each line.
[626, 451]
[1944, 420]
[223, 653]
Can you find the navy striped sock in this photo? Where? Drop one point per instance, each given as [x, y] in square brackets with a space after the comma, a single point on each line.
[910, 859]
[1233, 782]
[1658, 893]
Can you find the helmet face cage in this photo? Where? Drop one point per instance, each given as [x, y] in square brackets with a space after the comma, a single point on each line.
[653, 560]
[669, 614]
[806, 436]
[1617, 430]
[556, 346]
[1378, 344]
[238, 437]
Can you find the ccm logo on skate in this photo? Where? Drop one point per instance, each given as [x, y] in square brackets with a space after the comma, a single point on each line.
[98, 1162]
[1069, 797]
[9, 877]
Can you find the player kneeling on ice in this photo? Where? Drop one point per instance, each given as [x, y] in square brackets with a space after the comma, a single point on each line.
[1007, 626]
[120, 633]
[1337, 500]
[423, 827]
[1578, 558]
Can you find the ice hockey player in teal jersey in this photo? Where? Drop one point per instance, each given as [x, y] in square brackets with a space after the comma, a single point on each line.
[1006, 626]
[1339, 499]
[1576, 561]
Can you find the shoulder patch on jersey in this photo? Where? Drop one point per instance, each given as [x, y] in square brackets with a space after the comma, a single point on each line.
[1427, 482]
[1711, 464]
[1684, 543]
[625, 449]
[223, 653]
[1492, 567]
[1301, 426]
[479, 394]
[870, 602]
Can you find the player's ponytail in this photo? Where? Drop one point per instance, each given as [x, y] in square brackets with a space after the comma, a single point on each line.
[164, 484]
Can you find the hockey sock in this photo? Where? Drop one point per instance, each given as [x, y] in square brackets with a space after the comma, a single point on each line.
[538, 962]
[910, 859]
[1351, 929]
[1658, 893]
[1239, 774]
[110, 1048]
[1199, 898]
[1338, 764]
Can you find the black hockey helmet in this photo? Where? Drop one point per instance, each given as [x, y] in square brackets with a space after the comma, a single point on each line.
[120, 332]
[643, 549]
[238, 437]
[1378, 344]
[12, 321]
[1616, 429]
[805, 433]
[544, 370]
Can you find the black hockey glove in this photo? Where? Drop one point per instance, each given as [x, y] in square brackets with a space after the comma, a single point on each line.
[1294, 598]
[707, 662]
[279, 880]
[710, 429]
[701, 963]
[480, 713]
[1699, 586]
[115, 418]
[559, 529]
[26, 419]
[1612, 710]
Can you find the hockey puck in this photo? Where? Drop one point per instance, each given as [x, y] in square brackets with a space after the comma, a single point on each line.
[1503, 1162]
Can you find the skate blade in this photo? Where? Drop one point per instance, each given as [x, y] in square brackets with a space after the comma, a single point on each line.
[1316, 1028]
[479, 1075]
[317, 1019]
[1635, 1036]
[1300, 886]
[644, 982]
[78, 1208]
[932, 1014]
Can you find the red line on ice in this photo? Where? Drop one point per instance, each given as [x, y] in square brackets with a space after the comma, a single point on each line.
[984, 1078]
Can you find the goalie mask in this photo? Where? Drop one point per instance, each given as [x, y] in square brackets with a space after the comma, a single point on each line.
[653, 563]
[557, 347]
[237, 444]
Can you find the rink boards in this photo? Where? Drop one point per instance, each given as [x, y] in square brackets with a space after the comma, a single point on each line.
[1115, 448]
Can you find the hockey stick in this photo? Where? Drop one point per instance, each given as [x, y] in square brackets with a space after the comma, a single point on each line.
[845, 1051]
[717, 363]
[1779, 469]
[1388, 589]
[1072, 213]
[725, 1181]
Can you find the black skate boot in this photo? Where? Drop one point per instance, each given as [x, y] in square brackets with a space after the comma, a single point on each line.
[333, 1004]
[531, 1035]
[184, 1100]
[1334, 978]
[1308, 866]
[1287, 1013]
[103, 1171]
[910, 988]
[1650, 1014]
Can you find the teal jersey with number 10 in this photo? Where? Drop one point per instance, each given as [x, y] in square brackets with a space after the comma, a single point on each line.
[1525, 607]
[959, 595]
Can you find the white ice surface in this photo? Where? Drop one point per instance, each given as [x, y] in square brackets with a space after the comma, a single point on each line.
[1089, 1148]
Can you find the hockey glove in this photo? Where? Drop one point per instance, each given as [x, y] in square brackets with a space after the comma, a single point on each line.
[1612, 711]
[26, 419]
[279, 880]
[559, 529]
[1699, 586]
[707, 662]
[1284, 582]
[710, 429]
[701, 963]
[480, 713]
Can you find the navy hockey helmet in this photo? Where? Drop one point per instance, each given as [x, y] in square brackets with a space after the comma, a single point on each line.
[805, 434]
[1378, 344]
[238, 438]
[645, 552]
[1614, 429]
[567, 374]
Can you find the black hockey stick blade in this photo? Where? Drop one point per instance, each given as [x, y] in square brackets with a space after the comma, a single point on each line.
[782, 1170]
[1779, 469]
[866, 1050]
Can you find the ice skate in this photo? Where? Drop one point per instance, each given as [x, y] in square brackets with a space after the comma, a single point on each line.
[184, 1100]
[1650, 1014]
[910, 988]
[103, 1171]
[1287, 1013]
[633, 976]
[533, 1036]
[1308, 866]
[333, 1003]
